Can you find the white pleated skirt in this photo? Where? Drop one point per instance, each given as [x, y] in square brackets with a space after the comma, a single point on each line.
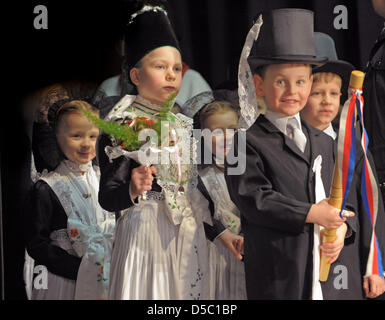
[227, 274]
[58, 288]
[144, 262]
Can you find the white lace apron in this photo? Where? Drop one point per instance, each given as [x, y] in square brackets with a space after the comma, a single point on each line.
[224, 209]
[89, 227]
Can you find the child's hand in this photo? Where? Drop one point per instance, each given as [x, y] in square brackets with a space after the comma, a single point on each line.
[326, 215]
[141, 180]
[374, 286]
[232, 242]
[333, 249]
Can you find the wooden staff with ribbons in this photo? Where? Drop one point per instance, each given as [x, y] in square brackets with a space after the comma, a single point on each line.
[341, 183]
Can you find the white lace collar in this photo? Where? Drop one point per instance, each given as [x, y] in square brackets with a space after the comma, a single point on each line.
[126, 106]
[78, 168]
[146, 106]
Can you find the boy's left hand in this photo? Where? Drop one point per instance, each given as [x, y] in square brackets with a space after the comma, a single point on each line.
[333, 249]
[374, 286]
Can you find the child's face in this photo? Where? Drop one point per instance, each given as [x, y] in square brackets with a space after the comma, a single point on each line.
[285, 87]
[379, 7]
[323, 103]
[159, 75]
[77, 137]
[220, 139]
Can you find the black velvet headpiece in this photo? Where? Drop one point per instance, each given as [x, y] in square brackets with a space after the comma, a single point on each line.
[147, 30]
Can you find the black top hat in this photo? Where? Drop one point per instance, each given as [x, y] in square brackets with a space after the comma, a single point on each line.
[324, 46]
[147, 29]
[286, 36]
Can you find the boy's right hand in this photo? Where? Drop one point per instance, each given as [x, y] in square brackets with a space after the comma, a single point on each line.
[141, 180]
[326, 215]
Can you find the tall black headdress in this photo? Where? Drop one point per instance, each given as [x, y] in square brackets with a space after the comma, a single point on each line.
[147, 29]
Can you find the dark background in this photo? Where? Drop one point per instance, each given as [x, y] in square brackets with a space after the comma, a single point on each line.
[79, 44]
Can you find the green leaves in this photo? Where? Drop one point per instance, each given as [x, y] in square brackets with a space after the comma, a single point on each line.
[126, 135]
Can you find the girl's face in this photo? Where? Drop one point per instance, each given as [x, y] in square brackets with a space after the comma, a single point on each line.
[217, 123]
[323, 103]
[77, 137]
[285, 87]
[159, 75]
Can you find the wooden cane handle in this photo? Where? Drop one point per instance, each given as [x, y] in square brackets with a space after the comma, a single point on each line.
[329, 235]
[336, 196]
[357, 79]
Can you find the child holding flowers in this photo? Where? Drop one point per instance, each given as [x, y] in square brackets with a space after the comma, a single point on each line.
[160, 250]
[69, 233]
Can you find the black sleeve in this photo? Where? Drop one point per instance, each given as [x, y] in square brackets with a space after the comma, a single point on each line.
[363, 217]
[114, 179]
[217, 228]
[213, 231]
[45, 216]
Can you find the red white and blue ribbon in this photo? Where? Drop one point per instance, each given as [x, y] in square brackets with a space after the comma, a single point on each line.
[346, 163]
[369, 194]
[346, 156]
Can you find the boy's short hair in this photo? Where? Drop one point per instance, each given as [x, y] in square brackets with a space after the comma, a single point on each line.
[326, 77]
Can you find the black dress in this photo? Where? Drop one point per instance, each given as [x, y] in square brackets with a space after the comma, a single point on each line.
[45, 216]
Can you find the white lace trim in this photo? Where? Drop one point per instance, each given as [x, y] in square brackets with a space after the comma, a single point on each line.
[146, 8]
[246, 90]
[196, 103]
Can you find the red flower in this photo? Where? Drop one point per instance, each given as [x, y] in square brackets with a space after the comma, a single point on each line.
[150, 122]
[74, 233]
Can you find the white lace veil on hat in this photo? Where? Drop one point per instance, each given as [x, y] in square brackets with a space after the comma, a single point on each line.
[246, 90]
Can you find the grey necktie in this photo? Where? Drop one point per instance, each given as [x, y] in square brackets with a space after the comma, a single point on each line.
[296, 134]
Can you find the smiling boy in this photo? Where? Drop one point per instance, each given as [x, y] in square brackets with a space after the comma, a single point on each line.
[276, 194]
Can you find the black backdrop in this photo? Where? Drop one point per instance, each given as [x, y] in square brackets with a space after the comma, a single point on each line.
[80, 36]
[79, 44]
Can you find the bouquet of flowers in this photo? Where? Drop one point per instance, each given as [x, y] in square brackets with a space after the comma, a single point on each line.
[127, 135]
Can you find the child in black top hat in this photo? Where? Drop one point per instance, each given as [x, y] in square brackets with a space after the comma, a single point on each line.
[160, 249]
[276, 193]
[321, 109]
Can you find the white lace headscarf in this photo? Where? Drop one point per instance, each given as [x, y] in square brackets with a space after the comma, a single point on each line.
[246, 90]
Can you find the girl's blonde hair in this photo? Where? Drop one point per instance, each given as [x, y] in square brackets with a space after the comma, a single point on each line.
[213, 108]
[74, 107]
